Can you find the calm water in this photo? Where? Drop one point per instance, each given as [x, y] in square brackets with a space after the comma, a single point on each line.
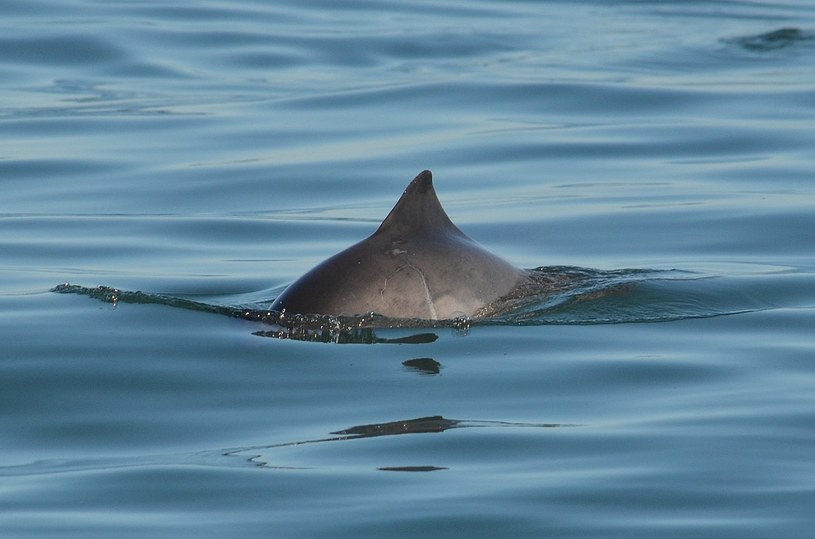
[214, 151]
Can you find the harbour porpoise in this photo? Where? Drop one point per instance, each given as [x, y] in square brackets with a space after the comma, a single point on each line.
[417, 265]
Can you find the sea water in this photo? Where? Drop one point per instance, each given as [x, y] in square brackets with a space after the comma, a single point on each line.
[209, 153]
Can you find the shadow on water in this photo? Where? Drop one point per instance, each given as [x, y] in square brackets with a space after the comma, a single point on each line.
[556, 295]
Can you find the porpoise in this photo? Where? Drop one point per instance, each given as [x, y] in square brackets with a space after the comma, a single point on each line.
[417, 265]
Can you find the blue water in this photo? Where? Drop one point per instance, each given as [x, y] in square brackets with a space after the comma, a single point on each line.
[208, 153]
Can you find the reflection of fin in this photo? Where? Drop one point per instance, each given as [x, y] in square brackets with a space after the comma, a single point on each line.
[418, 338]
[424, 365]
[418, 425]
[434, 423]
[411, 468]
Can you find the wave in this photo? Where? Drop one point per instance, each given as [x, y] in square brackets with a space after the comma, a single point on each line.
[563, 295]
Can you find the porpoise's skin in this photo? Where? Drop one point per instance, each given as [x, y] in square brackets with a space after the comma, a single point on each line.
[417, 265]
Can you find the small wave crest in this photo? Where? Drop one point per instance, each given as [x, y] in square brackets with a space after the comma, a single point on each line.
[586, 296]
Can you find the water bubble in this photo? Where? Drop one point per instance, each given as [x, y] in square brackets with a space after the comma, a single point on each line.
[461, 321]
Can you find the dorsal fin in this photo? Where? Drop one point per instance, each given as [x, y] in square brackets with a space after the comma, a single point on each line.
[419, 209]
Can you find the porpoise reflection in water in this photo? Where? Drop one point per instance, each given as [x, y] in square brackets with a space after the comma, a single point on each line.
[417, 265]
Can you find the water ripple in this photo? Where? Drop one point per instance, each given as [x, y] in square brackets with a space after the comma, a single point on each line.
[559, 295]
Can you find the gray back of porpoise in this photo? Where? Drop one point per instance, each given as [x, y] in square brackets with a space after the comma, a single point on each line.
[418, 264]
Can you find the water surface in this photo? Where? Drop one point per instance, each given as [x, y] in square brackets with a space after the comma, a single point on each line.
[208, 153]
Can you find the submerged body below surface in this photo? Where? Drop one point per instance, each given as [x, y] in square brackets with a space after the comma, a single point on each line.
[417, 265]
